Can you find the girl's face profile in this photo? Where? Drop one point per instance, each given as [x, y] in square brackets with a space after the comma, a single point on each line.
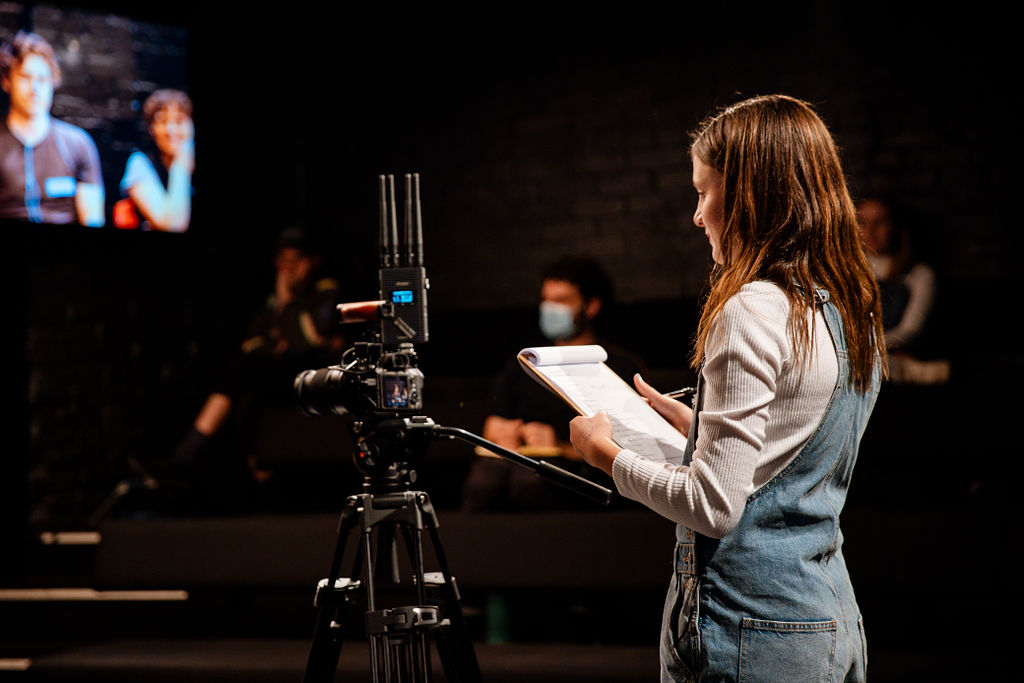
[710, 205]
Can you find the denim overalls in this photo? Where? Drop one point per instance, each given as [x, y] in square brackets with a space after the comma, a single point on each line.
[772, 600]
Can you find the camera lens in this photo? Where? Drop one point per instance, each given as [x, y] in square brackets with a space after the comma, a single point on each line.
[321, 392]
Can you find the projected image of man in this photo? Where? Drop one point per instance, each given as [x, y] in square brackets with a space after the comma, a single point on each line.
[49, 169]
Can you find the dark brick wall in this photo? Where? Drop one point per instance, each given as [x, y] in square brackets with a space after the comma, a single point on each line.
[528, 149]
[530, 143]
[120, 342]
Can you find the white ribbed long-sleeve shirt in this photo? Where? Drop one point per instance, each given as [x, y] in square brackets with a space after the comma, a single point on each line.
[760, 405]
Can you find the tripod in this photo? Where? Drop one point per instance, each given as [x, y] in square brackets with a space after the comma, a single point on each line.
[400, 637]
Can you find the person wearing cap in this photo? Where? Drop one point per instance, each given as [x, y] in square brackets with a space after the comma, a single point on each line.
[294, 330]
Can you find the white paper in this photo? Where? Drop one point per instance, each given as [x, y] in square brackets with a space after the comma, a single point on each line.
[561, 355]
[581, 376]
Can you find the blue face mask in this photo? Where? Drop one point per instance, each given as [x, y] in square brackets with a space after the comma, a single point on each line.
[557, 321]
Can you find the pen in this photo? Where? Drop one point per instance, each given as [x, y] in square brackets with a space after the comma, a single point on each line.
[681, 392]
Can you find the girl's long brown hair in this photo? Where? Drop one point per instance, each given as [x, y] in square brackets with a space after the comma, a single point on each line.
[789, 219]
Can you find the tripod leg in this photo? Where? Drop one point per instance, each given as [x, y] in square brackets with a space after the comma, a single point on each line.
[332, 597]
[453, 642]
[398, 637]
[420, 643]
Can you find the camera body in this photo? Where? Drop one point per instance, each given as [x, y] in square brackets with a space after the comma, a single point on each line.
[371, 382]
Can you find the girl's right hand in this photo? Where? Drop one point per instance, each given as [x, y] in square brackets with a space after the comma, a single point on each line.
[186, 156]
[679, 415]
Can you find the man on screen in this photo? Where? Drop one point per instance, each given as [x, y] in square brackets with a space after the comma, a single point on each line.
[49, 169]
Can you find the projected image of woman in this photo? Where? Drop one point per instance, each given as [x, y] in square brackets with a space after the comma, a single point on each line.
[789, 350]
[158, 181]
[49, 169]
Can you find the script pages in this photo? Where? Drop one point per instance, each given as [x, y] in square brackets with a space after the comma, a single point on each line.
[580, 376]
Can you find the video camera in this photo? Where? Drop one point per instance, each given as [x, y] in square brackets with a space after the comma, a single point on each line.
[380, 377]
[378, 381]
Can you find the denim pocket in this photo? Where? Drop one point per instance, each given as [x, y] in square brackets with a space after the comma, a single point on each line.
[787, 650]
[680, 641]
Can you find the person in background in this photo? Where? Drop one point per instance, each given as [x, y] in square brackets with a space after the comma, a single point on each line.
[49, 169]
[909, 289]
[907, 283]
[157, 181]
[789, 350]
[527, 418]
[296, 329]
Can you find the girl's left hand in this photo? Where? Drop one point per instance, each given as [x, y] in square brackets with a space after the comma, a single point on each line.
[592, 439]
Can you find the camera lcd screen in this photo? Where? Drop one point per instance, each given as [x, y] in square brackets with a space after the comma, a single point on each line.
[396, 391]
[402, 296]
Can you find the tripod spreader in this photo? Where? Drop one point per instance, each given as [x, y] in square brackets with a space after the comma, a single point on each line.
[583, 487]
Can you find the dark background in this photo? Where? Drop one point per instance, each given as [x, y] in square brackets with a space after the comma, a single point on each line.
[538, 133]
[535, 134]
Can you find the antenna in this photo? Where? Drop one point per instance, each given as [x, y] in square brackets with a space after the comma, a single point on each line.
[393, 221]
[418, 221]
[409, 244]
[385, 241]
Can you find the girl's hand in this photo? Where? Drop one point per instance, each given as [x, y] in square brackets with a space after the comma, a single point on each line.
[679, 415]
[592, 439]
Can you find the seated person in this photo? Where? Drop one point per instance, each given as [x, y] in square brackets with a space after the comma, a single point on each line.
[907, 284]
[526, 417]
[296, 330]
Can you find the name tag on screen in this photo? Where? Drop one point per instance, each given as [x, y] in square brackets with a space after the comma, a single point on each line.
[60, 186]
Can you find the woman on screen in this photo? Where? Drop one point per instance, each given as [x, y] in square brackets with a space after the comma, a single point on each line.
[157, 183]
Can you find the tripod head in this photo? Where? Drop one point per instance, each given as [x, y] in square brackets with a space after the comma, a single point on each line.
[412, 435]
[390, 449]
